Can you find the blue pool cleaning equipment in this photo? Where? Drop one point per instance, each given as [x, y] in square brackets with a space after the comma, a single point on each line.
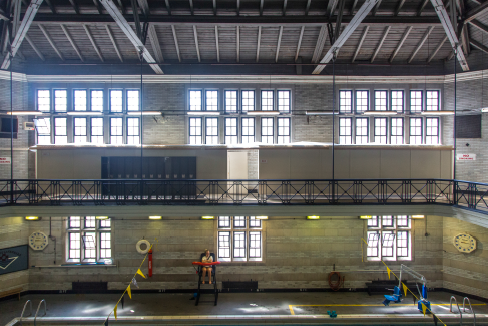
[397, 292]
[332, 314]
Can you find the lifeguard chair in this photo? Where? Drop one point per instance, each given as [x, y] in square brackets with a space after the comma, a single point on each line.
[213, 277]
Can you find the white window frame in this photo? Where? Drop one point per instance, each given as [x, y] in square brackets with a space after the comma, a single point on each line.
[381, 100]
[133, 132]
[284, 100]
[397, 101]
[80, 131]
[211, 131]
[114, 105]
[130, 102]
[345, 131]
[415, 138]
[88, 224]
[362, 103]
[193, 100]
[246, 136]
[211, 100]
[80, 101]
[432, 130]
[231, 102]
[60, 131]
[95, 136]
[416, 102]
[43, 102]
[43, 131]
[267, 102]
[345, 101]
[248, 104]
[195, 129]
[267, 130]
[397, 138]
[116, 132]
[60, 102]
[96, 101]
[432, 103]
[231, 127]
[389, 250]
[362, 131]
[284, 130]
[381, 130]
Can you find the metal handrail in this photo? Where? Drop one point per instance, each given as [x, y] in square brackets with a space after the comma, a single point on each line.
[450, 309]
[39, 306]
[470, 308]
[22, 314]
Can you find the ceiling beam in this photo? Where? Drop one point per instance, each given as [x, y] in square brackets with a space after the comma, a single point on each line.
[422, 7]
[53, 9]
[144, 6]
[331, 6]
[39, 53]
[195, 37]
[237, 7]
[353, 7]
[217, 43]
[191, 6]
[383, 38]
[92, 41]
[450, 32]
[478, 45]
[400, 44]
[339, 19]
[176, 42]
[122, 7]
[319, 46]
[279, 44]
[238, 45]
[478, 24]
[73, 44]
[285, 3]
[131, 35]
[375, 9]
[399, 7]
[348, 31]
[153, 37]
[21, 31]
[299, 43]
[261, 7]
[214, 5]
[75, 6]
[137, 23]
[168, 8]
[99, 6]
[361, 41]
[46, 34]
[438, 47]
[476, 12]
[259, 44]
[421, 43]
[110, 35]
[200, 20]
[307, 8]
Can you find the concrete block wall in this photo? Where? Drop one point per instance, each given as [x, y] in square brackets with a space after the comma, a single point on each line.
[298, 253]
[465, 272]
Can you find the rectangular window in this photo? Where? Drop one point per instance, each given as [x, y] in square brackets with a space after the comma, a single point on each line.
[96, 100]
[133, 131]
[254, 222]
[380, 130]
[284, 131]
[211, 100]
[396, 131]
[373, 221]
[432, 131]
[224, 221]
[44, 100]
[239, 221]
[60, 100]
[43, 131]
[345, 131]
[267, 130]
[247, 101]
[97, 130]
[116, 100]
[195, 101]
[79, 130]
[230, 130]
[345, 101]
[381, 100]
[432, 98]
[230, 101]
[133, 100]
[416, 101]
[362, 130]
[267, 100]
[224, 244]
[60, 131]
[211, 131]
[239, 244]
[362, 101]
[255, 244]
[116, 131]
[247, 130]
[284, 101]
[87, 241]
[79, 99]
[415, 131]
[389, 239]
[195, 131]
[397, 101]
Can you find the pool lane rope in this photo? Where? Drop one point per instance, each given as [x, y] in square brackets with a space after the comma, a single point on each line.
[405, 288]
[127, 289]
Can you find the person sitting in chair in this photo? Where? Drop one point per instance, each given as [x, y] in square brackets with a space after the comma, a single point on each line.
[207, 269]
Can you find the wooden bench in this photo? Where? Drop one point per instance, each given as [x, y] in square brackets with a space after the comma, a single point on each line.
[382, 286]
[17, 291]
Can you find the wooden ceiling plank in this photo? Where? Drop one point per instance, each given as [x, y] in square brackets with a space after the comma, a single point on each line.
[110, 35]
[438, 47]
[73, 44]
[279, 44]
[90, 37]
[378, 48]
[299, 43]
[400, 44]
[361, 41]
[195, 36]
[176, 42]
[36, 49]
[421, 43]
[48, 37]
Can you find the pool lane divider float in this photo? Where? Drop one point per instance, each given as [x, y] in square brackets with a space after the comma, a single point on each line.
[133, 281]
[423, 304]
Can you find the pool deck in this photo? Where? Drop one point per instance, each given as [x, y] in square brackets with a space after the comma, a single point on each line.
[352, 308]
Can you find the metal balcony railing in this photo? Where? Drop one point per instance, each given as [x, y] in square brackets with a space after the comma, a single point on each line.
[464, 194]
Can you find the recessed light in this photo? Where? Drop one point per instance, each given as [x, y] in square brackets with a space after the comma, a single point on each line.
[155, 217]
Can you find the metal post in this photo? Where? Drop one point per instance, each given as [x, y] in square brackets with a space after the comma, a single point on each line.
[11, 131]
[140, 129]
[455, 107]
[333, 125]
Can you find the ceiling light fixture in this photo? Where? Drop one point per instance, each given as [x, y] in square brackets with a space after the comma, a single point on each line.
[25, 113]
[313, 217]
[155, 217]
[321, 112]
[442, 112]
[84, 113]
[203, 112]
[263, 113]
[380, 112]
[144, 113]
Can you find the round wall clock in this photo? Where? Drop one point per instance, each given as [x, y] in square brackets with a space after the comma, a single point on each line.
[38, 240]
[465, 243]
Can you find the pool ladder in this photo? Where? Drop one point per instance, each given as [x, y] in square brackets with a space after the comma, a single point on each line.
[464, 309]
[37, 311]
